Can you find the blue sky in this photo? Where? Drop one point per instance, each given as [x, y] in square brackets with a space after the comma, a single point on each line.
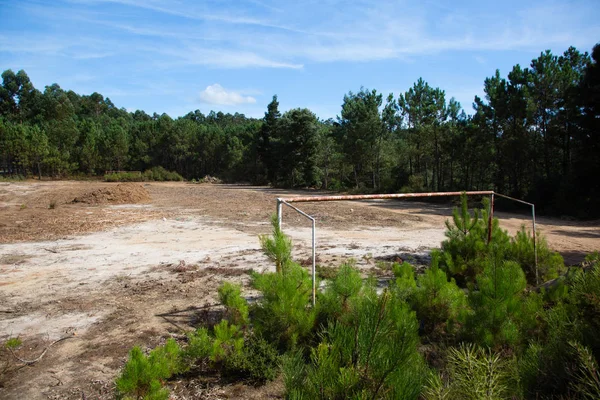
[178, 56]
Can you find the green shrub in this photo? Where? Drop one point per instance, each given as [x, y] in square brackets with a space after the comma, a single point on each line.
[160, 174]
[124, 177]
[293, 369]
[585, 302]
[550, 264]
[199, 348]
[236, 306]
[405, 283]
[143, 377]
[277, 248]
[498, 304]
[466, 247]
[258, 361]
[439, 303]
[545, 364]
[229, 340]
[232, 353]
[473, 374]
[165, 359]
[564, 357]
[284, 314]
[13, 343]
[12, 178]
[371, 354]
[586, 380]
[333, 303]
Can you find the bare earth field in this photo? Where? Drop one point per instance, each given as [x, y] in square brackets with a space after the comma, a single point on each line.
[114, 265]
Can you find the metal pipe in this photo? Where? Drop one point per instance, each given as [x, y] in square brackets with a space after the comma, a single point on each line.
[297, 210]
[491, 218]
[534, 232]
[279, 212]
[382, 196]
[513, 199]
[314, 263]
[280, 202]
[537, 279]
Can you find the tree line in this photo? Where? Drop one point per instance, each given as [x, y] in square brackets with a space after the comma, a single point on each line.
[534, 135]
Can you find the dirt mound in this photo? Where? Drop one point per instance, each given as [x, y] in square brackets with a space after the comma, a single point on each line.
[124, 193]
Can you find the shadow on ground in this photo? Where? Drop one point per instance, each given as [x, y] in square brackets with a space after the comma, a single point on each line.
[194, 317]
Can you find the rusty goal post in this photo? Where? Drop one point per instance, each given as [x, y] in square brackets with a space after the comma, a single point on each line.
[305, 199]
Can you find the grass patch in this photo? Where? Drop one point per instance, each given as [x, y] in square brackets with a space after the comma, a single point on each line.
[157, 174]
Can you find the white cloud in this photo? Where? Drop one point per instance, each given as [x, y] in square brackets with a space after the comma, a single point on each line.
[218, 58]
[218, 95]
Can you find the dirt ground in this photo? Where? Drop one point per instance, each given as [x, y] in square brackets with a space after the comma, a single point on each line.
[113, 265]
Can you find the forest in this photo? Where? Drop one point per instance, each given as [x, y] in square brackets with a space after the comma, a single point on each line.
[534, 136]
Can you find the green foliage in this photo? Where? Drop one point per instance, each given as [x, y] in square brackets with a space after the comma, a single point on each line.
[284, 315]
[230, 295]
[297, 149]
[405, 283]
[435, 388]
[473, 374]
[293, 368]
[258, 361]
[498, 304]
[199, 348]
[584, 300]
[371, 353]
[143, 376]
[466, 246]
[550, 264]
[229, 340]
[13, 343]
[160, 174]
[12, 178]
[587, 375]
[335, 301]
[229, 351]
[438, 302]
[165, 359]
[564, 357]
[124, 177]
[550, 358]
[155, 174]
[278, 247]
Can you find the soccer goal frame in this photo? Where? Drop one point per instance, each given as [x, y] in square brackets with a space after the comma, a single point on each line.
[305, 199]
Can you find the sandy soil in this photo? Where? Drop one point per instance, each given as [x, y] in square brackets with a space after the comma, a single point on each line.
[110, 275]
